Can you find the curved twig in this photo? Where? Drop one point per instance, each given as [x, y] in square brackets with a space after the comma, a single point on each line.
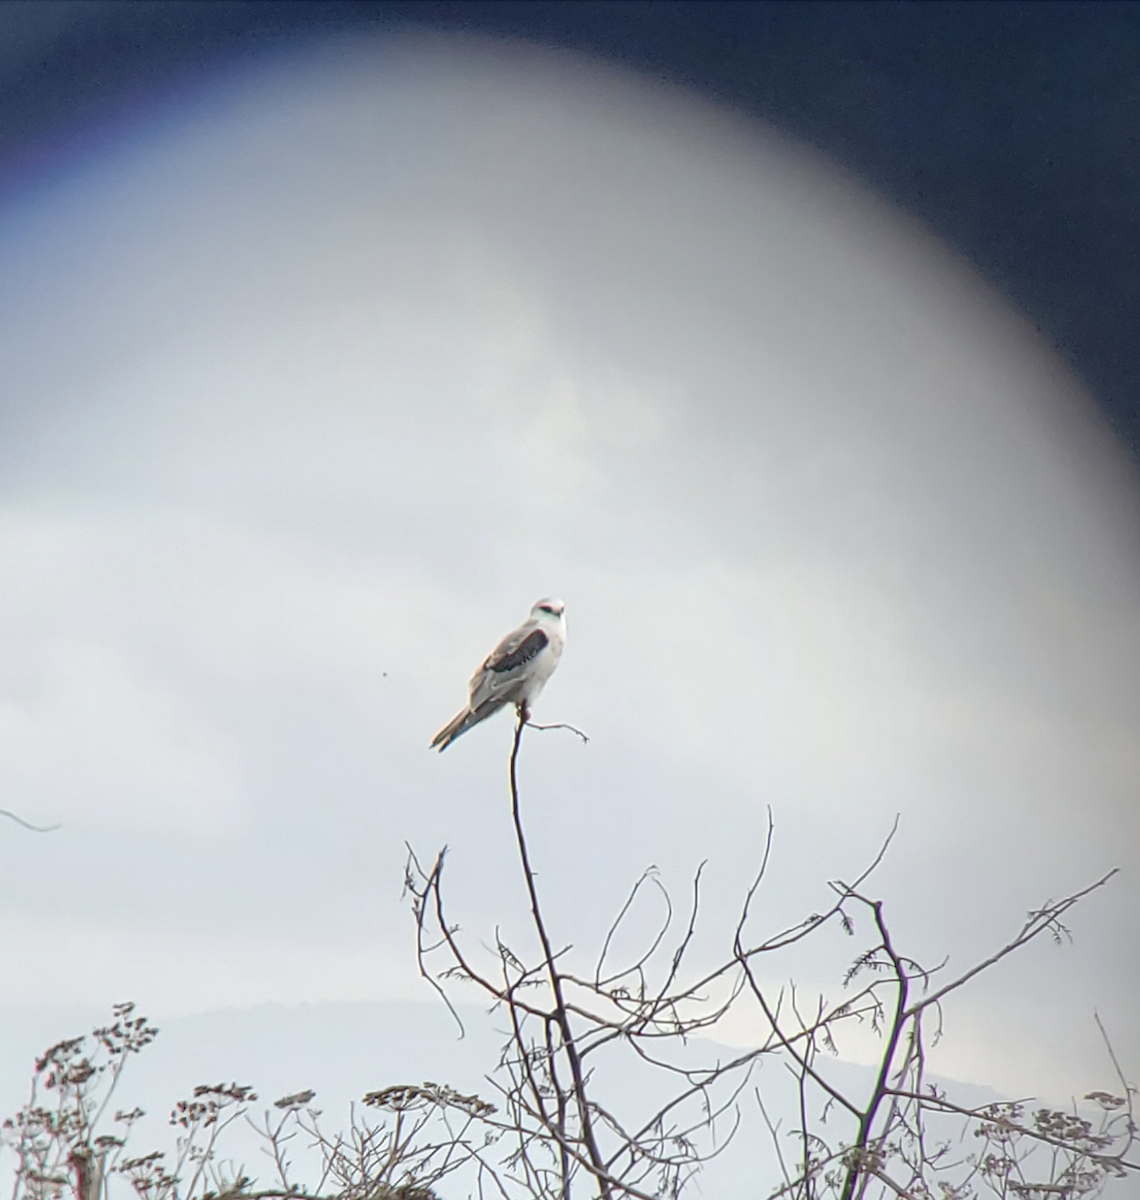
[559, 725]
[6, 812]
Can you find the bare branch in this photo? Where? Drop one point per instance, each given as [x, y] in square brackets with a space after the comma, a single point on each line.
[4, 812]
[1045, 919]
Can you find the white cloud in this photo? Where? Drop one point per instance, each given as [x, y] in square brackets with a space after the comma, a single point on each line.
[93, 742]
[173, 970]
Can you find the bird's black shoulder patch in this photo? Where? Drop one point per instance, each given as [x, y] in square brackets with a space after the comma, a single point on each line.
[522, 653]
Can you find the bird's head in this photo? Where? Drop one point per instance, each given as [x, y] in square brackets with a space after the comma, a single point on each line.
[548, 610]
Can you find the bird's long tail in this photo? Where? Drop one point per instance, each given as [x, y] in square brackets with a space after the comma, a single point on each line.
[460, 724]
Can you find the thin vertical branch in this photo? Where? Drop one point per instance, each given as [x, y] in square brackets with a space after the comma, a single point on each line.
[858, 1165]
[561, 1015]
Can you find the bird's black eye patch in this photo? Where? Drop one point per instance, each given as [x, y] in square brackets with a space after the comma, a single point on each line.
[547, 608]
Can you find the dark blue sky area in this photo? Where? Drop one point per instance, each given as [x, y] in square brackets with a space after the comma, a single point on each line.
[1009, 128]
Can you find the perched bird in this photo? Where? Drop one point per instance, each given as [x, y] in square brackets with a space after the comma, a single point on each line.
[513, 673]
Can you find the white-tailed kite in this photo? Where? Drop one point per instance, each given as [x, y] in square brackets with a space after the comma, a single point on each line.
[513, 673]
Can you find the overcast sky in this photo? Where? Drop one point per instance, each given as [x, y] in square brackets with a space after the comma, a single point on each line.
[318, 373]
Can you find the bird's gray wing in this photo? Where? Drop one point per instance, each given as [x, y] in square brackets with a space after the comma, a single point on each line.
[506, 667]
